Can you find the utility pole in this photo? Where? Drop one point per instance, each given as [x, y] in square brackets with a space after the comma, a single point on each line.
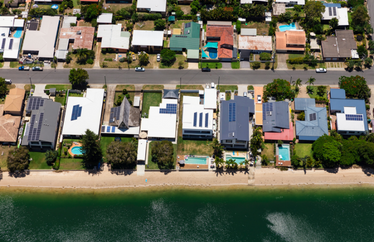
[180, 83]
[105, 80]
[218, 82]
[30, 83]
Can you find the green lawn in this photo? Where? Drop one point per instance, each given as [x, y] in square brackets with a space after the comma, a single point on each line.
[58, 87]
[75, 94]
[190, 87]
[106, 140]
[223, 88]
[61, 98]
[291, 56]
[235, 65]
[175, 65]
[153, 165]
[166, 44]
[303, 150]
[153, 87]
[151, 99]
[194, 147]
[268, 151]
[314, 94]
[71, 164]
[211, 65]
[38, 160]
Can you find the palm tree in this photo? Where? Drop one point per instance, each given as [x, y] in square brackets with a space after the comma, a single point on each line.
[82, 55]
[310, 83]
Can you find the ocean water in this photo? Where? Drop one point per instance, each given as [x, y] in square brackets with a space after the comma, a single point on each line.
[225, 214]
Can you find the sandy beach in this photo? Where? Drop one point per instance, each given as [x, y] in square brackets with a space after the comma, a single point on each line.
[263, 177]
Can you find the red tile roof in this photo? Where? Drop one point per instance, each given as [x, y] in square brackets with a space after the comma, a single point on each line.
[286, 134]
[225, 35]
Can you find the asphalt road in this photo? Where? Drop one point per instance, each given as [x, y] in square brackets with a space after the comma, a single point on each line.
[371, 14]
[114, 76]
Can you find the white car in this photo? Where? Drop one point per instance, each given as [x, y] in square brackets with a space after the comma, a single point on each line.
[321, 70]
[158, 57]
[139, 69]
[259, 98]
[8, 81]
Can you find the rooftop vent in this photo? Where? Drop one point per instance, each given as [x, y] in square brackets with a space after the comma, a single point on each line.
[79, 32]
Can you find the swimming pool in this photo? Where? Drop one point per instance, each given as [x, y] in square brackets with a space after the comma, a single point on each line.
[283, 28]
[284, 152]
[77, 150]
[18, 33]
[196, 160]
[212, 53]
[237, 160]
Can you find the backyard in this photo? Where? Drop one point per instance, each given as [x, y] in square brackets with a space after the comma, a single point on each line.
[38, 160]
[4, 151]
[106, 140]
[146, 25]
[262, 27]
[175, 65]
[153, 165]
[269, 151]
[150, 99]
[302, 150]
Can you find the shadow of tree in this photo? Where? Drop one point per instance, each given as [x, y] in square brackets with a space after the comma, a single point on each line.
[123, 172]
[18, 174]
[332, 170]
[368, 171]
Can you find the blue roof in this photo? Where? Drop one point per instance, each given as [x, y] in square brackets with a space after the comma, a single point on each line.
[303, 103]
[332, 5]
[275, 116]
[337, 93]
[235, 121]
[338, 104]
[314, 126]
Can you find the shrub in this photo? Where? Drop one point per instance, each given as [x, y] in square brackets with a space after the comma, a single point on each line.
[255, 65]
[90, 61]
[250, 87]
[297, 60]
[124, 91]
[123, 59]
[265, 56]
[301, 116]
[108, 59]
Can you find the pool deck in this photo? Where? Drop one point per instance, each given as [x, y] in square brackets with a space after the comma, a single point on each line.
[190, 166]
[74, 145]
[279, 162]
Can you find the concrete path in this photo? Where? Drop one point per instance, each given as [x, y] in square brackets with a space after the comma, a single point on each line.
[39, 91]
[140, 168]
[242, 89]
[302, 92]
[110, 93]
[282, 61]
[6, 65]
[97, 56]
[193, 66]
[371, 99]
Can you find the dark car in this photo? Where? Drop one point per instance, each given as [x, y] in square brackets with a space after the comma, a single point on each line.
[37, 68]
[206, 69]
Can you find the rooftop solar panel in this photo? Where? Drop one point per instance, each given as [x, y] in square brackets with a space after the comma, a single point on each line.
[194, 119]
[334, 11]
[11, 44]
[206, 120]
[102, 129]
[354, 117]
[108, 129]
[330, 12]
[113, 129]
[201, 120]
[3, 44]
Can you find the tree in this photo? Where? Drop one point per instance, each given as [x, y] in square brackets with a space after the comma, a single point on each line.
[321, 91]
[360, 17]
[217, 148]
[143, 59]
[167, 57]
[238, 26]
[301, 116]
[265, 56]
[18, 159]
[311, 81]
[3, 87]
[297, 8]
[163, 153]
[91, 12]
[256, 142]
[355, 87]
[362, 51]
[195, 7]
[366, 151]
[84, 54]
[354, 3]
[92, 154]
[78, 78]
[368, 62]
[313, 10]
[334, 23]
[279, 89]
[51, 156]
[255, 65]
[327, 150]
[295, 161]
[297, 84]
[121, 154]
[160, 24]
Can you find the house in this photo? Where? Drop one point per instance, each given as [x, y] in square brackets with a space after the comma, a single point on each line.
[235, 122]
[276, 121]
[10, 47]
[254, 44]
[152, 6]
[147, 40]
[14, 102]
[11, 22]
[161, 121]
[351, 116]
[290, 3]
[112, 37]
[315, 123]
[252, 1]
[9, 126]
[105, 18]
[340, 47]
[219, 41]
[123, 120]
[335, 10]
[290, 41]
[171, 93]
[13, 3]
[197, 121]
[42, 42]
[42, 129]
[10, 43]
[188, 41]
[279, 8]
[83, 113]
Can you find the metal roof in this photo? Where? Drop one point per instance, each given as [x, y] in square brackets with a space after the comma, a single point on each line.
[337, 93]
[315, 124]
[303, 103]
[338, 104]
[105, 18]
[171, 93]
[147, 38]
[248, 31]
[275, 116]
[190, 39]
[237, 128]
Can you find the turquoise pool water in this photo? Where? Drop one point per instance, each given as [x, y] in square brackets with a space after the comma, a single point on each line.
[212, 53]
[77, 150]
[284, 152]
[196, 160]
[18, 33]
[283, 28]
[236, 159]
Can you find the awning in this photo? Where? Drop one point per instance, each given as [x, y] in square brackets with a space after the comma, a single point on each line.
[211, 45]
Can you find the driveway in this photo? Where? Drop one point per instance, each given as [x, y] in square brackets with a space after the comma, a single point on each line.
[244, 65]
[39, 91]
[226, 65]
[242, 89]
[282, 61]
[110, 93]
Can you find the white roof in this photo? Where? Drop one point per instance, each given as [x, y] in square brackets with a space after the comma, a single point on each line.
[43, 40]
[4, 31]
[136, 101]
[298, 2]
[105, 18]
[61, 54]
[160, 125]
[152, 5]
[63, 44]
[210, 98]
[191, 110]
[18, 23]
[11, 21]
[341, 15]
[10, 53]
[349, 125]
[68, 20]
[250, 1]
[142, 149]
[110, 35]
[148, 38]
[248, 31]
[90, 117]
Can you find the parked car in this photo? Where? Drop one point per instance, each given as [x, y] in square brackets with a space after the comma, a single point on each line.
[244, 94]
[321, 70]
[8, 81]
[205, 69]
[259, 98]
[37, 68]
[139, 69]
[158, 57]
[23, 68]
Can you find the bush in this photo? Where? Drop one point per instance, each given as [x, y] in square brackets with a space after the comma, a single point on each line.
[367, 106]
[152, 16]
[255, 65]
[167, 57]
[301, 116]
[123, 59]
[124, 91]
[265, 56]
[56, 165]
[250, 87]
[297, 60]
[267, 65]
[238, 26]
[160, 24]
[90, 61]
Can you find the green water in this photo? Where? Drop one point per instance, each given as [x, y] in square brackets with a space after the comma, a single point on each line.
[190, 215]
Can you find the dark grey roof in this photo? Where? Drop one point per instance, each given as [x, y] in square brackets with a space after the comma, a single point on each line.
[275, 116]
[338, 104]
[337, 93]
[35, 103]
[340, 45]
[303, 103]
[315, 124]
[171, 93]
[236, 124]
[124, 116]
[44, 123]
